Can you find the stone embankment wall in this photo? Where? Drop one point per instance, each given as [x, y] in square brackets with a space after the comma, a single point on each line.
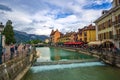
[105, 56]
[11, 69]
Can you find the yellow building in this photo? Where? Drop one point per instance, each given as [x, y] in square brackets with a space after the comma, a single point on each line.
[68, 37]
[108, 25]
[46, 40]
[87, 34]
[79, 35]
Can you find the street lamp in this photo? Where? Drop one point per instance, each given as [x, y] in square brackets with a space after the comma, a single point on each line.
[1, 29]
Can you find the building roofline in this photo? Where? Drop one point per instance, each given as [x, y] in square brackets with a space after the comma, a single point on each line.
[109, 12]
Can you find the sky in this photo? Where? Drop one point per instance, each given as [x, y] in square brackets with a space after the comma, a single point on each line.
[41, 16]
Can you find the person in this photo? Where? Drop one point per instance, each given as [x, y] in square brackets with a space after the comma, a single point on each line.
[1, 55]
[11, 51]
[4, 52]
[16, 49]
[29, 48]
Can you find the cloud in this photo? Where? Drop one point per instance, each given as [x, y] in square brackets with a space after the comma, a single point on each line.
[41, 16]
[6, 8]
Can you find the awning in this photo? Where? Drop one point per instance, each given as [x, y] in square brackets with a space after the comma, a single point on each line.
[95, 43]
[107, 40]
[74, 43]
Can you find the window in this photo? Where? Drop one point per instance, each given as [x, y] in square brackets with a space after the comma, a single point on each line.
[110, 34]
[85, 34]
[80, 39]
[109, 23]
[85, 39]
[107, 35]
[119, 44]
[119, 31]
[104, 36]
[103, 26]
[119, 18]
[116, 19]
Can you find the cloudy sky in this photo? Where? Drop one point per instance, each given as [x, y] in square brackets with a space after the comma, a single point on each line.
[41, 16]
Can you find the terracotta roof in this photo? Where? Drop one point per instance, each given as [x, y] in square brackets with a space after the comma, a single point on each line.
[68, 34]
[89, 27]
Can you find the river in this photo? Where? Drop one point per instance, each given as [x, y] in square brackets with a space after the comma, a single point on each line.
[75, 71]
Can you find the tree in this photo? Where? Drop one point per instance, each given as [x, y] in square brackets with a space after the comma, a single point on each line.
[36, 41]
[9, 33]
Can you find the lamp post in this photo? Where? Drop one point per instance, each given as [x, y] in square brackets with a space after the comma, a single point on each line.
[1, 29]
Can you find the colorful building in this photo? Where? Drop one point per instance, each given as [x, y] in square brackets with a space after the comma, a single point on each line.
[46, 40]
[79, 35]
[54, 36]
[68, 37]
[87, 34]
[108, 25]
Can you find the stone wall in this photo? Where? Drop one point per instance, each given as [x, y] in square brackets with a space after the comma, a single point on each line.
[11, 69]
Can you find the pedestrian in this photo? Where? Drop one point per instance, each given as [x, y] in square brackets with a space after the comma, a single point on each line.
[4, 52]
[1, 55]
[11, 51]
[16, 50]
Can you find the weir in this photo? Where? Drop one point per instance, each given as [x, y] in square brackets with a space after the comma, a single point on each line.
[64, 62]
[37, 69]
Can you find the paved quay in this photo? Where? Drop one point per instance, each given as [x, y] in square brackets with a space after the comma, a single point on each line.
[6, 55]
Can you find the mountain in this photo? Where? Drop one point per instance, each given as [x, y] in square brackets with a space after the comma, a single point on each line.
[24, 37]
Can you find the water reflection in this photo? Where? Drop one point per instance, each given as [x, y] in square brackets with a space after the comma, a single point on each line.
[47, 54]
[44, 54]
[81, 71]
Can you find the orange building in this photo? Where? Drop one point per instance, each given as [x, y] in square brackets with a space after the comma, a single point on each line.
[54, 36]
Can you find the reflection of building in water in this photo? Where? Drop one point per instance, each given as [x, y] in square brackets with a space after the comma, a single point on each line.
[108, 25]
[57, 55]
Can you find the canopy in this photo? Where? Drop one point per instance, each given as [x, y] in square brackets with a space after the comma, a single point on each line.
[74, 43]
[95, 43]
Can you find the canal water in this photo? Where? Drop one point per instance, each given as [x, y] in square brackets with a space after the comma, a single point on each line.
[75, 71]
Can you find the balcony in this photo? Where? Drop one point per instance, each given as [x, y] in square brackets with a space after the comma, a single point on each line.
[116, 24]
[111, 37]
[116, 37]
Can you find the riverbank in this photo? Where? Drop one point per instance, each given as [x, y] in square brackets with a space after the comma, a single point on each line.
[106, 57]
[16, 68]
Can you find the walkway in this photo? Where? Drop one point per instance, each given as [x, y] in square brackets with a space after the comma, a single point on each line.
[21, 53]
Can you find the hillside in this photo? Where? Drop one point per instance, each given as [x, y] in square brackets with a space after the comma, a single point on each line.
[24, 37]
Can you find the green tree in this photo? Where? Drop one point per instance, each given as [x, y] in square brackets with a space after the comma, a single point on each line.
[9, 33]
[36, 41]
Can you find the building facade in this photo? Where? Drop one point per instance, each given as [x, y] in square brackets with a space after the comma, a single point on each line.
[54, 36]
[87, 34]
[108, 25]
[68, 37]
